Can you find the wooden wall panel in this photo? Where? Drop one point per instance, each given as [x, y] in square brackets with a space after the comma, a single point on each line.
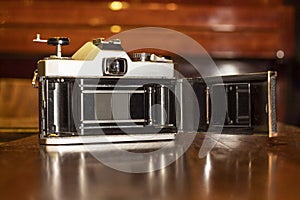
[229, 45]
[18, 104]
[225, 28]
[97, 14]
[193, 2]
[235, 31]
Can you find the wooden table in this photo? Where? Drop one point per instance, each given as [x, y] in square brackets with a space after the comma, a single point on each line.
[238, 167]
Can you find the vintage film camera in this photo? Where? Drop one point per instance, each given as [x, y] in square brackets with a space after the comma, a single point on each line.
[101, 95]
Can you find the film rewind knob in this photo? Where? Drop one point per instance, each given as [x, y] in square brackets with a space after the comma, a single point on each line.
[54, 41]
[58, 42]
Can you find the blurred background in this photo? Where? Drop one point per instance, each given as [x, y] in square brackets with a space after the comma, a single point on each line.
[241, 36]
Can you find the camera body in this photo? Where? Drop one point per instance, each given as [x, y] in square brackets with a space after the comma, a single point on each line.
[101, 95]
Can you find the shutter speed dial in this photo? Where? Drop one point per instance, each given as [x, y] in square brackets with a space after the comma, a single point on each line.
[143, 57]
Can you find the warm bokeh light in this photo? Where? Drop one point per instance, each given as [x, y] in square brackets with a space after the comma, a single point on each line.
[115, 29]
[171, 6]
[280, 54]
[118, 5]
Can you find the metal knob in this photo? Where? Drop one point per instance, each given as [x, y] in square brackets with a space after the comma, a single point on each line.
[58, 41]
[141, 57]
[54, 41]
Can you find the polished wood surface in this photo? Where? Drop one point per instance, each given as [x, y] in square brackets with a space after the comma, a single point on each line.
[256, 31]
[238, 167]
